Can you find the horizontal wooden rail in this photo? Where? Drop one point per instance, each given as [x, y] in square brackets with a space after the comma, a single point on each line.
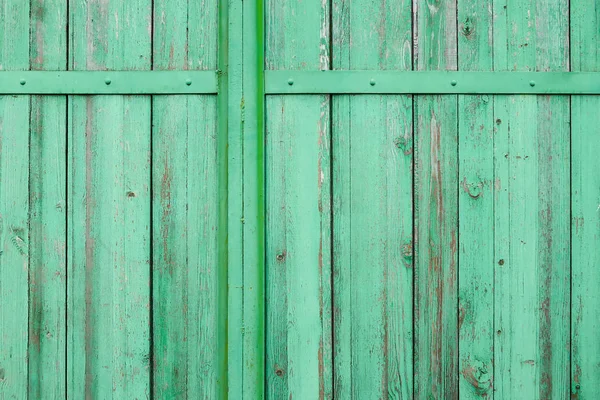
[108, 82]
[430, 82]
[301, 82]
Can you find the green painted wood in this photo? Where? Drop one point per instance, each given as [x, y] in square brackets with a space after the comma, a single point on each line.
[103, 82]
[235, 199]
[14, 209]
[48, 209]
[298, 212]
[435, 211]
[359, 81]
[585, 200]
[109, 195]
[532, 207]
[372, 195]
[185, 209]
[253, 135]
[475, 208]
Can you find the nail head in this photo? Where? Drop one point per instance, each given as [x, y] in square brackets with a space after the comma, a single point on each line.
[372, 82]
[23, 82]
[107, 81]
[532, 83]
[290, 81]
[188, 82]
[453, 83]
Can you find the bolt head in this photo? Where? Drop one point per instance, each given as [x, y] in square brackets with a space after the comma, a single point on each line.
[188, 82]
[454, 83]
[290, 81]
[532, 83]
[372, 82]
[107, 81]
[23, 82]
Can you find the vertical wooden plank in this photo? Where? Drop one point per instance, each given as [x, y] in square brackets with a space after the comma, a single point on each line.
[185, 208]
[109, 178]
[585, 197]
[48, 208]
[14, 210]
[236, 242]
[298, 185]
[476, 207]
[532, 207]
[372, 193]
[436, 212]
[253, 138]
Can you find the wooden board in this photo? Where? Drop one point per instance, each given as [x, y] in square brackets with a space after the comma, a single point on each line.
[298, 212]
[48, 209]
[185, 209]
[475, 208]
[585, 200]
[436, 209]
[372, 216]
[532, 207]
[109, 196]
[14, 207]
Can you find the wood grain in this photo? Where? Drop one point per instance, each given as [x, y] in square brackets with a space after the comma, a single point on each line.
[185, 208]
[532, 207]
[585, 198]
[436, 209]
[298, 212]
[372, 200]
[48, 209]
[109, 179]
[14, 206]
[476, 207]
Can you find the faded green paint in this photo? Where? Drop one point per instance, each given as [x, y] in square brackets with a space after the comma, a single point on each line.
[585, 209]
[186, 226]
[161, 238]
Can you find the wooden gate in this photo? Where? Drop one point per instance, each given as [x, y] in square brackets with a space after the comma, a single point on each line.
[353, 199]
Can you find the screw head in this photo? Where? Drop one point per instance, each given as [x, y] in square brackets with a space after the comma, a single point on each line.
[107, 81]
[188, 82]
[453, 83]
[372, 82]
[532, 83]
[23, 82]
[290, 81]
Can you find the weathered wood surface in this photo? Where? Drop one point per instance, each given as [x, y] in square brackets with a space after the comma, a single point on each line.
[532, 304]
[476, 207]
[436, 209]
[109, 202]
[185, 208]
[298, 210]
[48, 209]
[110, 211]
[585, 211]
[14, 207]
[372, 152]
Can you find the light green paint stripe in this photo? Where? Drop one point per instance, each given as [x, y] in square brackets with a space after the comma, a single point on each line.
[430, 82]
[108, 82]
